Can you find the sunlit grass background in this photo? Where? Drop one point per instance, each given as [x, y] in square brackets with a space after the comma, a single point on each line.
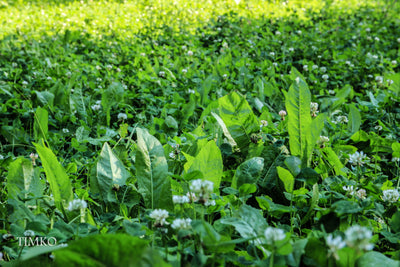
[126, 18]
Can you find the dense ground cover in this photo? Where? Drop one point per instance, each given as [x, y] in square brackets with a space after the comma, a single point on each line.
[199, 134]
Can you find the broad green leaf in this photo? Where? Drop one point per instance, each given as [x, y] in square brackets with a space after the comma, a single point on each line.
[238, 117]
[249, 223]
[209, 162]
[22, 177]
[227, 134]
[248, 172]
[293, 164]
[333, 160]
[374, 258]
[45, 98]
[58, 179]
[112, 95]
[396, 149]
[152, 172]
[273, 156]
[40, 126]
[110, 173]
[77, 103]
[287, 179]
[354, 119]
[316, 250]
[299, 119]
[346, 207]
[395, 86]
[395, 222]
[317, 125]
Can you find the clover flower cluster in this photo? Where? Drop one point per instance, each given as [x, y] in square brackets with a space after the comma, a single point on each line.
[202, 189]
[159, 216]
[273, 235]
[180, 199]
[334, 245]
[358, 158]
[322, 140]
[340, 120]
[358, 237]
[77, 204]
[391, 195]
[96, 106]
[182, 224]
[314, 109]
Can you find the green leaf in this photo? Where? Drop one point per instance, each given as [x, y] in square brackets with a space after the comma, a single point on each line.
[152, 172]
[287, 179]
[21, 177]
[170, 122]
[110, 172]
[317, 125]
[227, 134]
[209, 162]
[248, 172]
[40, 126]
[238, 117]
[395, 222]
[111, 96]
[395, 86]
[58, 179]
[299, 119]
[77, 103]
[374, 258]
[45, 98]
[396, 149]
[249, 223]
[333, 160]
[346, 207]
[354, 119]
[293, 164]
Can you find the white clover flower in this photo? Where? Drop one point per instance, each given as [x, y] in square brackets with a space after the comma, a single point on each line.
[159, 216]
[1, 157]
[122, 116]
[390, 195]
[278, 33]
[225, 76]
[331, 92]
[273, 235]
[282, 113]
[369, 38]
[143, 54]
[314, 67]
[375, 57]
[305, 67]
[65, 130]
[96, 107]
[379, 79]
[24, 83]
[348, 63]
[398, 40]
[395, 159]
[350, 189]
[367, 29]
[190, 53]
[275, 64]
[299, 32]
[98, 67]
[161, 74]
[184, 71]
[358, 237]
[361, 194]
[29, 233]
[323, 69]
[202, 188]
[357, 158]
[325, 77]
[314, 107]
[291, 49]
[334, 245]
[376, 39]
[389, 82]
[182, 224]
[180, 199]
[297, 80]
[378, 128]
[192, 197]
[341, 120]
[322, 140]
[264, 123]
[77, 204]
[98, 102]
[209, 203]
[109, 67]
[118, 70]
[394, 62]
[172, 155]
[379, 220]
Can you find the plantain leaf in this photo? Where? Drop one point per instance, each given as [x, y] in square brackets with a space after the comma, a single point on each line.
[22, 178]
[334, 160]
[110, 173]
[40, 126]
[354, 119]
[248, 172]
[287, 179]
[299, 119]
[60, 184]
[209, 162]
[152, 172]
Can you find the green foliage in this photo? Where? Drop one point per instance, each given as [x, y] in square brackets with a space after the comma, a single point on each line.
[152, 172]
